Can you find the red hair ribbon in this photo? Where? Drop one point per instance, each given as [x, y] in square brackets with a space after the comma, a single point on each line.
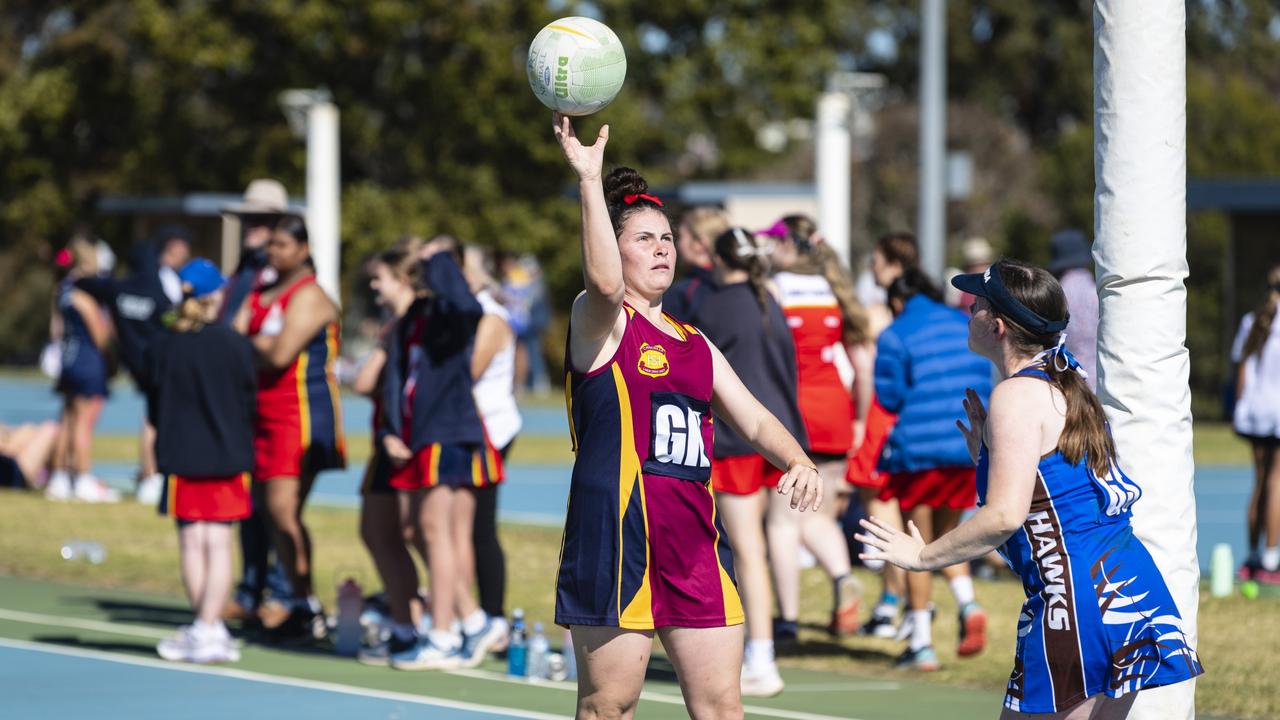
[629, 199]
[63, 258]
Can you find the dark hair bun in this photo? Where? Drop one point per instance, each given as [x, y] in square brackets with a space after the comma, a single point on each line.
[621, 182]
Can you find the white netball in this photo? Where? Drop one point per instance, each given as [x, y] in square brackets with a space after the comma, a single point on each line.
[576, 65]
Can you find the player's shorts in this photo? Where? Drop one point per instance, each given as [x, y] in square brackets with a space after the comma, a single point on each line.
[743, 474]
[280, 451]
[948, 487]
[207, 499]
[464, 465]
[377, 475]
[861, 467]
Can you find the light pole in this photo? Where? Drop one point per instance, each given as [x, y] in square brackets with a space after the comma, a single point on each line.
[313, 115]
[932, 218]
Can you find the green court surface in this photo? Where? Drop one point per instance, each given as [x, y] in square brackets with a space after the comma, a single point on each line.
[68, 628]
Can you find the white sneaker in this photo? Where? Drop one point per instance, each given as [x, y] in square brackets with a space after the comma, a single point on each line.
[149, 489]
[59, 487]
[91, 489]
[179, 646]
[213, 645]
[428, 656]
[761, 681]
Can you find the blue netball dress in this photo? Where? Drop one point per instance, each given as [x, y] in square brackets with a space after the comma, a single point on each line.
[1098, 616]
[84, 368]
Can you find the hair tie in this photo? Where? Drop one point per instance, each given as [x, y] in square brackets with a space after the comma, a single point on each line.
[630, 199]
[63, 258]
[1060, 352]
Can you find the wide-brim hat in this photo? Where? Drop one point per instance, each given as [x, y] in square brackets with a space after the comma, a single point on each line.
[264, 196]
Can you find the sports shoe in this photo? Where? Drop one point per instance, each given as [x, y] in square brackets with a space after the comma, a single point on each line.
[150, 489]
[303, 626]
[973, 630]
[879, 626]
[922, 660]
[785, 632]
[179, 646]
[381, 653]
[762, 681]
[90, 489]
[59, 486]
[844, 614]
[1263, 576]
[427, 656]
[212, 645]
[476, 647]
[501, 646]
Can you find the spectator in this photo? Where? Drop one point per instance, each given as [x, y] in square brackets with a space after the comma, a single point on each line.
[265, 201]
[82, 327]
[923, 370]
[525, 297]
[25, 454]
[138, 304]
[977, 255]
[698, 229]
[1257, 418]
[1071, 262]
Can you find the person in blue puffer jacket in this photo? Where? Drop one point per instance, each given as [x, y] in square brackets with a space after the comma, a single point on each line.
[924, 368]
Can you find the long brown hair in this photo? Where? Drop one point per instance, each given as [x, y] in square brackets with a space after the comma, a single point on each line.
[739, 250]
[1264, 316]
[1085, 437]
[820, 259]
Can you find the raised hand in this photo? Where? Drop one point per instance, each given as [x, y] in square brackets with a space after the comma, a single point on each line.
[586, 160]
[977, 412]
[891, 545]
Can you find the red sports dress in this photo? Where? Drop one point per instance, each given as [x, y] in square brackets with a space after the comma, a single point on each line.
[299, 412]
[643, 547]
[817, 330]
[206, 499]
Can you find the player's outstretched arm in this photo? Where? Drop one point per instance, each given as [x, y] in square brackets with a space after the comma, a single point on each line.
[734, 404]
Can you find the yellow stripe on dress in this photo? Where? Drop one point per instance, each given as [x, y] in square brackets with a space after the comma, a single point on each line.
[433, 471]
[304, 401]
[171, 502]
[331, 378]
[733, 614]
[477, 474]
[638, 614]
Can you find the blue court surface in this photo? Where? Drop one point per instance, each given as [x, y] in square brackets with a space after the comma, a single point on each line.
[38, 679]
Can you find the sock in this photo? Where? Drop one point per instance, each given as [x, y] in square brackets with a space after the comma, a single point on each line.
[60, 475]
[444, 639]
[759, 653]
[887, 607]
[962, 588]
[1271, 559]
[404, 632]
[474, 622]
[84, 478]
[921, 629]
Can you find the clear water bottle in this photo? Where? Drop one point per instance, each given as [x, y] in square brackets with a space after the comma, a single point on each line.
[83, 550]
[516, 647]
[539, 650]
[570, 657]
[350, 605]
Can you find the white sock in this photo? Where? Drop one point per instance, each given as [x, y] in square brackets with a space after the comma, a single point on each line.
[84, 478]
[962, 588]
[60, 476]
[404, 632]
[1271, 559]
[444, 639]
[921, 629]
[759, 653]
[474, 622]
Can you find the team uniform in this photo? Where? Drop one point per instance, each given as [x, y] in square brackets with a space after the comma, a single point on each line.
[813, 314]
[1098, 616]
[861, 469]
[84, 367]
[299, 425]
[764, 358]
[643, 547]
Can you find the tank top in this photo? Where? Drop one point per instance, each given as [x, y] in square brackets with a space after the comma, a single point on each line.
[494, 390]
[817, 328]
[309, 383]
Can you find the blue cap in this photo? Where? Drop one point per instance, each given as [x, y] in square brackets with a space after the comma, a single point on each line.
[202, 276]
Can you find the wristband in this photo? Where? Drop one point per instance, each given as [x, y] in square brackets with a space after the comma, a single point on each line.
[803, 462]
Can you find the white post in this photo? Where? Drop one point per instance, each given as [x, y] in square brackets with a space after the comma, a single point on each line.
[1139, 98]
[324, 194]
[932, 217]
[832, 166]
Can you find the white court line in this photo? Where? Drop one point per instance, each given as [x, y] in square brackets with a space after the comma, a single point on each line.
[851, 686]
[121, 629]
[273, 680]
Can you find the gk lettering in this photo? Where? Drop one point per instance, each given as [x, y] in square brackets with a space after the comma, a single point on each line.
[677, 437]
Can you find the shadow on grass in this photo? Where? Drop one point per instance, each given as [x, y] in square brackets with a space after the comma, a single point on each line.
[139, 612]
[129, 648]
[831, 648]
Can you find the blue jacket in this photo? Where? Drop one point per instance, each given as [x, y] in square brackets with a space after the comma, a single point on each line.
[923, 366]
[444, 410]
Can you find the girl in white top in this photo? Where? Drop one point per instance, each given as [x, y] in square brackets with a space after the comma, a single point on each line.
[1257, 418]
[493, 369]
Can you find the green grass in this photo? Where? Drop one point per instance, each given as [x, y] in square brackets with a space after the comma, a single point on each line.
[1215, 443]
[1235, 634]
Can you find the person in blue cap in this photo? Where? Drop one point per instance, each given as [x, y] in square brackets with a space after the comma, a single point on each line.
[201, 387]
[1099, 623]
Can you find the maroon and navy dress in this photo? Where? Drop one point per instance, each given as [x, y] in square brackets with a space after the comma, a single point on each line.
[643, 547]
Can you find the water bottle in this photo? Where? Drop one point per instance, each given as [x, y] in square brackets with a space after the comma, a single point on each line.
[350, 606]
[516, 657]
[539, 649]
[570, 657]
[1221, 570]
[83, 550]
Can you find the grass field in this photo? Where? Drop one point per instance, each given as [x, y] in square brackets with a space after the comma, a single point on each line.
[142, 555]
